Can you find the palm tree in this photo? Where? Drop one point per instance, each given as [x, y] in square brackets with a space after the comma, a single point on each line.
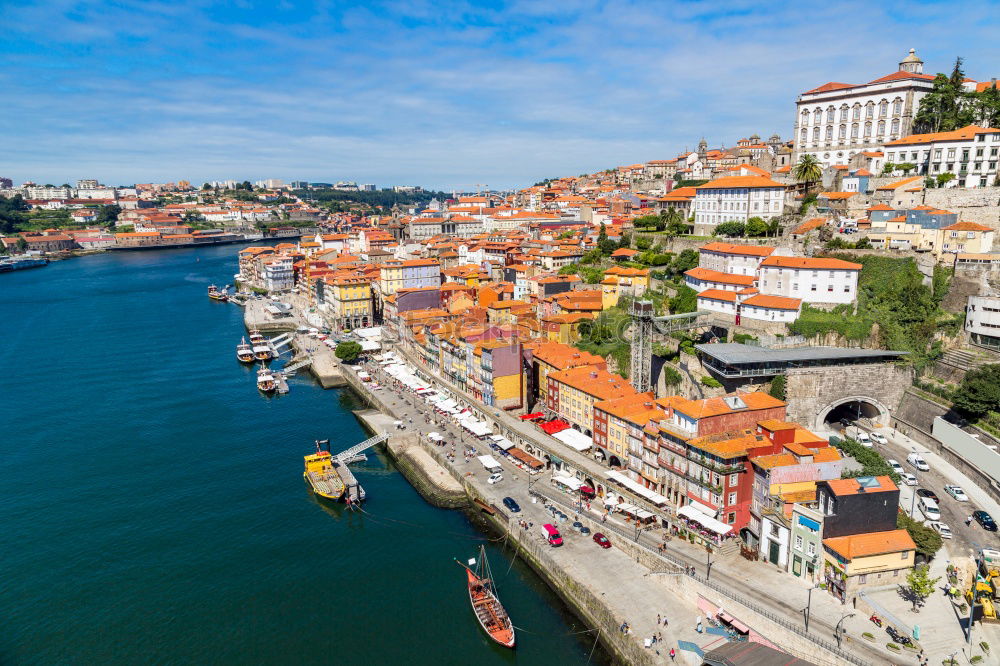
[808, 169]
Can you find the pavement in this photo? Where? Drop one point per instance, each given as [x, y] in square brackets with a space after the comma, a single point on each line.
[761, 583]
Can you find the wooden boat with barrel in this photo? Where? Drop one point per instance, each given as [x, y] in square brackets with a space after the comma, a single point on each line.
[490, 613]
[244, 352]
[262, 350]
[321, 475]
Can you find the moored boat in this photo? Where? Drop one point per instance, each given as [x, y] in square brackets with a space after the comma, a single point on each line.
[321, 475]
[216, 294]
[244, 352]
[490, 613]
[266, 381]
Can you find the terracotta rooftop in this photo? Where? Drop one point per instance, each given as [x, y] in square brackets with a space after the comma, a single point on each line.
[870, 544]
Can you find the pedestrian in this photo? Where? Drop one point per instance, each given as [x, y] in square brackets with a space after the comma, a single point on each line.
[657, 619]
[664, 622]
[673, 654]
[968, 521]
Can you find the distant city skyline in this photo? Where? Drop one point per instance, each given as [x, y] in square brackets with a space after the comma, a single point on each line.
[441, 95]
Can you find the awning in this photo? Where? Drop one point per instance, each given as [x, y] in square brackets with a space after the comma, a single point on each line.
[501, 443]
[370, 345]
[688, 511]
[528, 417]
[554, 426]
[574, 439]
[809, 522]
[528, 459]
[568, 481]
[637, 488]
[489, 462]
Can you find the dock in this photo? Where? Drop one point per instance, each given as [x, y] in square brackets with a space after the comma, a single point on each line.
[280, 382]
[354, 493]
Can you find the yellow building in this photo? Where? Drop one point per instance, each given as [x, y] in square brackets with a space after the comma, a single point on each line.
[964, 237]
[564, 328]
[868, 560]
[349, 301]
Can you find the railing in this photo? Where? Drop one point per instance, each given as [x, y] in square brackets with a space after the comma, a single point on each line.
[727, 590]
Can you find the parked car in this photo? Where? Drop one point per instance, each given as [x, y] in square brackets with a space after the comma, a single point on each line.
[496, 477]
[917, 461]
[923, 492]
[985, 520]
[511, 504]
[908, 479]
[956, 492]
[941, 528]
[879, 438]
[601, 540]
[862, 438]
[896, 467]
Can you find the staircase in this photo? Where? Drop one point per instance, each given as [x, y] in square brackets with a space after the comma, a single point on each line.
[728, 547]
[966, 359]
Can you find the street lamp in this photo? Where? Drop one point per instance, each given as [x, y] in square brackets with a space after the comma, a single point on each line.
[838, 632]
[708, 563]
[808, 607]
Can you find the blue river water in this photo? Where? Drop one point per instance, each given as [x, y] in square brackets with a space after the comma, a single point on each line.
[153, 509]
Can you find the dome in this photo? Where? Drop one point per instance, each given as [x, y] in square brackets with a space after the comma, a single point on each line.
[912, 57]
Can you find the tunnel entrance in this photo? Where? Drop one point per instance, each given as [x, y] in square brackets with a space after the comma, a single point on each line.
[852, 410]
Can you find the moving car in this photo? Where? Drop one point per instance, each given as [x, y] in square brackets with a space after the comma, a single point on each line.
[956, 492]
[918, 462]
[879, 438]
[923, 492]
[511, 504]
[908, 479]
[896, 467]
[941, 528]
[601, 540]
[496, 477]
[985, 520]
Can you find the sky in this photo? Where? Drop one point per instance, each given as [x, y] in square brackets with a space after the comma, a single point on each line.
[446, 95]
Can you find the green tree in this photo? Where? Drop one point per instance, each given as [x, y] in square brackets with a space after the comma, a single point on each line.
[643, 244]
[348, 351]
[684, 261]
[777, 389]
[206, 186]
[906, 167]
[731, 228]
[988, 107]
[944, 178]
[671, 377]
[863, 244]
[686, 300]
[646, 221]
[756, 227]
[947, 106]
[108, 215]
[888, 168]
[920, 585]
[22, 245]
[625, 240]
[926, 539]
[979, 392]
[605, 244]
[808, 169]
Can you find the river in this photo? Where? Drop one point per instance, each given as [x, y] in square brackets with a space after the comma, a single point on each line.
[153, 508]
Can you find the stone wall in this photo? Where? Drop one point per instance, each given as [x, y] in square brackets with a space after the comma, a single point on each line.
[812, 391]
[980, 205]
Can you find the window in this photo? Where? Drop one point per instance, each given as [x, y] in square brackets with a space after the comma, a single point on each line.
[731, 518]
[812, 288]
[804, 135]
[862, 579]
[881, 127]
[798, 542]
[905, 555]
[829, 132]
[883, 108]
[811, 548]
[734, 479]
[854, 131]
[843, 113]
[732, 499]
[857, 112]
[869, 109]
[895, 126]
[868, 129]
[815, 134]
[897, 107]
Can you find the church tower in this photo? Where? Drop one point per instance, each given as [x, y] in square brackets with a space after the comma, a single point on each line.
[912, 64]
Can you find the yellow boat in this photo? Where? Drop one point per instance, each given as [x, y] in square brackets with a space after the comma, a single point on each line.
[321, 475]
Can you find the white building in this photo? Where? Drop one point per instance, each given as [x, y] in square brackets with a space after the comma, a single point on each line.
[36, 192]
[278, 274]
[970, 153]
[732, 258]
[736, 198]
[982, 321]
[748, 304]
[811, 280]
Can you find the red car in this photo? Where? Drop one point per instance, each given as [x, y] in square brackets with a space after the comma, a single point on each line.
[601, 540]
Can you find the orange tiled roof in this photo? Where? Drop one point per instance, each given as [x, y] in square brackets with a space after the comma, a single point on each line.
[850, 486]
[966, 226]
[899, 183]
[962, 134]
[773, 302]
[870, 544]
[811, 263]
[718, 295]
[594, 381]
[740, 182]
[699, 273]
[707, 407]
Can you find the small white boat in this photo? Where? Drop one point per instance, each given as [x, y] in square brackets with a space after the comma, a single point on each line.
[266, 382]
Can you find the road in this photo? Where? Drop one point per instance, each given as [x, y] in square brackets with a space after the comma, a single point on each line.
[763, 585]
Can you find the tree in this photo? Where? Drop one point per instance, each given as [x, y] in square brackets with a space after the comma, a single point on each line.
[22, 245]
[888, 168]
[947, 106]
[920, 585]
[686, 300]
[927, 540]
[670, 376]
[605, 244]
[643, 244]
[944, 178]
[863, 244]
[808, 169]
[347, 351]
[756, 227]
[685, 261]
[206, 186]
[646, 221]
[777, 389]
[625, 240]
[731, 228]
[979, 392]
[108, 215]
[906, 167]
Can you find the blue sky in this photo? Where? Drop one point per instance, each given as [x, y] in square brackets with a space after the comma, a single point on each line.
[441, 94]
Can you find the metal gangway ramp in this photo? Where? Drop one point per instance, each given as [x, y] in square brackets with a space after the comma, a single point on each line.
[289, 370]
[281, 340]
[358, 448]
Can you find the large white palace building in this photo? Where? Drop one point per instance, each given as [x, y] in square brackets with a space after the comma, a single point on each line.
[837, 120]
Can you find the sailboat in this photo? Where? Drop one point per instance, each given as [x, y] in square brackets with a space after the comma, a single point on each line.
[244, 352]
[490, 613]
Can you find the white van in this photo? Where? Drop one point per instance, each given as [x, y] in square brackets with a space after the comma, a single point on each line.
[861, 437]
[918, 462]
[929, 508]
